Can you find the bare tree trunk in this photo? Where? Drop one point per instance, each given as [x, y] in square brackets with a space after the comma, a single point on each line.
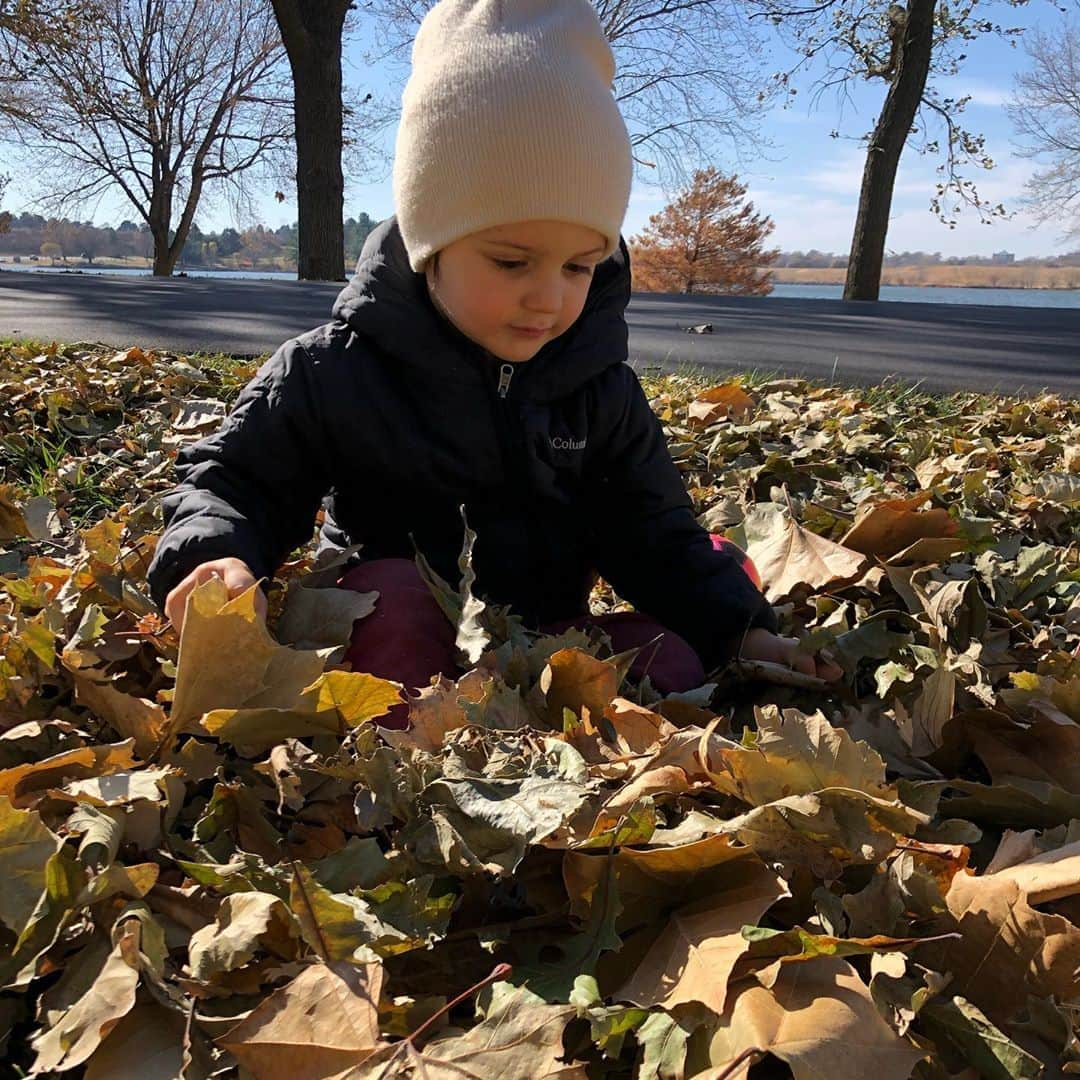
[883, 155]
[311, 31]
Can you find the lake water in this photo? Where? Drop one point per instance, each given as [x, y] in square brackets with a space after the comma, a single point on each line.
[915, 294]
[911, 294]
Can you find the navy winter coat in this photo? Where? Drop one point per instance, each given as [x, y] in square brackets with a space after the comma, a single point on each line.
[398, 419]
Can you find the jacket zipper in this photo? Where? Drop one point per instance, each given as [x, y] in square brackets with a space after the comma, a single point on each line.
[510, 438]
[506, 373]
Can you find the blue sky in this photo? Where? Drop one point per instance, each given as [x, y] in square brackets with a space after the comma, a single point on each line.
[808, 182]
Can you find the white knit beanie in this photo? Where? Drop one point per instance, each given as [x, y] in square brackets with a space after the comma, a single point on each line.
[509, 116]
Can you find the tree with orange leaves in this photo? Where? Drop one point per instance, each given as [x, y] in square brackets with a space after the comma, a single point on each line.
[707, 240]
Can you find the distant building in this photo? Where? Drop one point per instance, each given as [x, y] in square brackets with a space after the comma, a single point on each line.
[1003, 258]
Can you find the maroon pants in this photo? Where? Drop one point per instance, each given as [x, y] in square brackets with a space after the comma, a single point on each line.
[408, 638]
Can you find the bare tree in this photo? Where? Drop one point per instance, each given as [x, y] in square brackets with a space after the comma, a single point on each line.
[161, 99]
[1045, 109]
[689, 76]
[312, 32]
[906, 46]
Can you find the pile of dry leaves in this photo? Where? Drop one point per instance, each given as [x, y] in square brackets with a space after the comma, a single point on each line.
[213, 857]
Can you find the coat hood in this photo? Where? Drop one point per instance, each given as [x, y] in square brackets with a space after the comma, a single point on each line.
[387, 302]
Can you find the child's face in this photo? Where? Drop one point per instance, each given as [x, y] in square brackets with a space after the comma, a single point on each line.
[493, 283]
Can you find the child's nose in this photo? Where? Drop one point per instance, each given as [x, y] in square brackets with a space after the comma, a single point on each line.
[545, 295]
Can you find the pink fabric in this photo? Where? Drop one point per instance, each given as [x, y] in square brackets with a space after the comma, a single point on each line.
[408, 638]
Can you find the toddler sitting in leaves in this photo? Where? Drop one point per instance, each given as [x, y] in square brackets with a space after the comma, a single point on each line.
[476, 364]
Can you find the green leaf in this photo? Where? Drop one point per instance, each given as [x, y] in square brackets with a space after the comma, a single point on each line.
[26, 848]
[980, 1044]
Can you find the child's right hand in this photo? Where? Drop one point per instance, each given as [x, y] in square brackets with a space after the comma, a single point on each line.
[235, 573]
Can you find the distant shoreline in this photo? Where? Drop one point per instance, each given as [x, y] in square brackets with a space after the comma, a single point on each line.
[943, 277]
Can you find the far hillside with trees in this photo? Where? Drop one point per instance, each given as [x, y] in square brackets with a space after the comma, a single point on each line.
[59, 241]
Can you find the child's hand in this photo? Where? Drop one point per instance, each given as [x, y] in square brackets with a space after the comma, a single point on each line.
[235, 573]
[760, 644]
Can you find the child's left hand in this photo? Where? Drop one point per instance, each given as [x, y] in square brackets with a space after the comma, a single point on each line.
[760, 644]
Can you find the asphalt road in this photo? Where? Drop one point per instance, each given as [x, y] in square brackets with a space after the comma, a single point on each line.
[943, 346]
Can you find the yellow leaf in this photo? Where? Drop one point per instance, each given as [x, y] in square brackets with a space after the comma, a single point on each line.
[228, 660]
[357, 696]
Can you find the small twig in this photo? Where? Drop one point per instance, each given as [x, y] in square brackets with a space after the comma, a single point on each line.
[500, 971]
[742, 1059]
[779, 675]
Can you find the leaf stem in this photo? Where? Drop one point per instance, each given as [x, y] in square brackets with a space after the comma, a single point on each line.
[321, 946]
[500, 971]
[743, 1059]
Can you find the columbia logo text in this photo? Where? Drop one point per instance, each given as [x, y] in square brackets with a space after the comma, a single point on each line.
[568, 444]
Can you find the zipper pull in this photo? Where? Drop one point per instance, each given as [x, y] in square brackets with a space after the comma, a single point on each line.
[506, 373]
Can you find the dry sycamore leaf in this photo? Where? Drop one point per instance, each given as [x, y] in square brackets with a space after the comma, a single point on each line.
[574, 679]
[437, 709]
[819, 1018]
[1047, 876]
[131, 717]
[719, 403]
[795, 754]
[888, 527]
[321, 1023]
[228, 660]
[357, 696]
[318, 618]
[147, 1044]
[654, 880]
[12, 523]
[825, 830]
[78, 1033]
[520, 1036]
[22, 782]
[1044, 750]
[26, 846]
[791, 556]
[1008, 949]
[696, 952]
[246, 922]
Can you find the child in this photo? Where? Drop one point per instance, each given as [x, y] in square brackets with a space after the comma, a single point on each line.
[477, 359]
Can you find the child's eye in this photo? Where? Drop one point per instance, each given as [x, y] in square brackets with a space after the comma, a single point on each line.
[511, 264]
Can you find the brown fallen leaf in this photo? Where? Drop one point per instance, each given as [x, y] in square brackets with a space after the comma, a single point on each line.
[701, 943]
[228, 660]
[573, 679]
[22, 782]
[520, 1036]
[791, 556]
[819, 1018]
[888, 527]
[12, 522]
[79, 1032]
[246, 922]
[1047, 876]
[131, 717]
[321, 1023]
[1008, 949]
[720, 402]
[147, 1044]
[794, 754]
